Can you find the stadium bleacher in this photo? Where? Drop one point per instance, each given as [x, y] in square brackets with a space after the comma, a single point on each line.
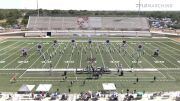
[103, 23]
[124, 26]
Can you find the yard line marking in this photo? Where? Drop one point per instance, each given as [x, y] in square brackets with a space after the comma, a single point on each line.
[165, 58]
[8, 46]
[133, 57]
[168, 68]
[152, 65]
[28, 56]
[154, 57]
[80, 64]
[99, 80]
[39, 57]
[3, 41]
[61, 55]
[132, 77]
[48, 53]
[9, 73]
[34, 62]
[13, 59]
[84, 41]
[174, 72]
[10, 49]
[101, 56]
[169, 46]
[70, 57]
[84, 49]
[91, 51]
[169, 55]
[121, 56]
[174, 41]
[171, 76]
[13, 53]
[110, 55]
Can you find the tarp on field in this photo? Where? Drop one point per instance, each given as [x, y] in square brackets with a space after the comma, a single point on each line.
[109, 86]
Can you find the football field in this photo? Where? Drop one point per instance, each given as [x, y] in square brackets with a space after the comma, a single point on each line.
[47, 65]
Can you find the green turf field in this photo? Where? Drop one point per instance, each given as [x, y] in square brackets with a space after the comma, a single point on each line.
[68, 56]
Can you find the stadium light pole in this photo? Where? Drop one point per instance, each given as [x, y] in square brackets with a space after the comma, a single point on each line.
[139, 8]
[38, 8]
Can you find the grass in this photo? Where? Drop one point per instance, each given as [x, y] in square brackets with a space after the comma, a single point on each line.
[111, 56]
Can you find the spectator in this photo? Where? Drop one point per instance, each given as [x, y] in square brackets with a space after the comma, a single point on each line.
[154, 78]
[84, 82]
[69, 90]
[71, 83]
[32, 94]
[137, 79]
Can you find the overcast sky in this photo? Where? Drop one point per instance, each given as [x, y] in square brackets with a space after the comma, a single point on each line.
[146, 5]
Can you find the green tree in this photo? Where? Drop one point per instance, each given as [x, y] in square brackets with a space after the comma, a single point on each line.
[1, 16]
[24, 22]
[11, 21]
[71, 12]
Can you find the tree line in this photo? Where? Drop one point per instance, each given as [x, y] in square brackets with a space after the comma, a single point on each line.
[12, 15]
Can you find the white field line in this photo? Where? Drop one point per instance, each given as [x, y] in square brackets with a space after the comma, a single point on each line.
[90, 49]
[96, 80]
[34, 62]
[110, 55]
[75, 76]
[153, 65]
[8, 46]
[168, 68]
[84, 49]
[121, 56]
[10, 49]
[48, 53]
[28, 57]
[8, 73]
[91, 52]
[171, 76]
[10, 62]
[174, 41]
[101, 77]
[166, 59]
[127, 72]
[80, 63]
[61, 55]
[14, 52]
[85, 41]
[13, 59]
[174, 72]
[170, 46]
[101, 56]
[3, 41]
[176, 54]
[169, 54]
[155, 58]
[130, 55]
[70, 57]
[39, 57]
